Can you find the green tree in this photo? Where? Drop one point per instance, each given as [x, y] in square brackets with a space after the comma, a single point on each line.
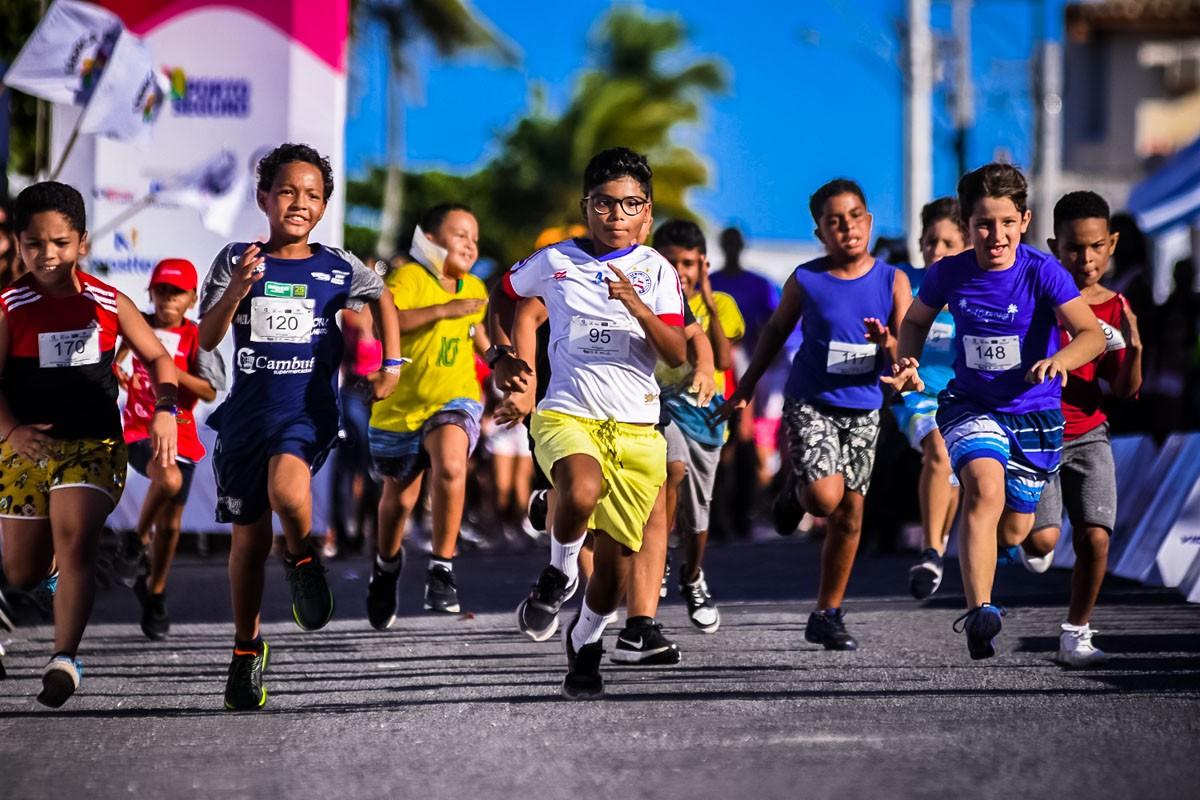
[17, 22]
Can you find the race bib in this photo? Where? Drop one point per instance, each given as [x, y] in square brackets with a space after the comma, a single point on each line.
[992, 353]
[941, 337]
[850, 359]
[281, 319]
[170, 341]
[1113, 338]
[69, 348]
[598, 338]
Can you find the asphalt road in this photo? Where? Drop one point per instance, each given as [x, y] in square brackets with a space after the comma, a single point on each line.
[464, 707]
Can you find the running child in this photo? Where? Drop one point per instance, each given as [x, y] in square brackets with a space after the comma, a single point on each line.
[1086, 482]
[431, 421]
[943, 233]
[1001, 414]
[201, 375]
[848, 303]
[693, 442]
[62, 456]
[614, 307]
[281, 417]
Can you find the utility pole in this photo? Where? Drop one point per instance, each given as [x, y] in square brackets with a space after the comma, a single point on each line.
[1049, 144]
[918, 123]
[964, 87]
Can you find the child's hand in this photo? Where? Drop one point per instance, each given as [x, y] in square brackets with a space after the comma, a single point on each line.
[31, 441]
[515, 407]
[905, 377]
[736, 402]
[247, 271]
[511, 374]
[623, 291]
[1045, 369]
[164, 435]
[1129, 326]
[706, 290]
[382, 384]
[877, 332]
[463, 307]
[704, 386]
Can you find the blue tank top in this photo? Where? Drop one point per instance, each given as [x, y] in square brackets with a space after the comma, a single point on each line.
[836, 365]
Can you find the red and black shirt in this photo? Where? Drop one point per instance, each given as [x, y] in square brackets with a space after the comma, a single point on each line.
[1083, 395]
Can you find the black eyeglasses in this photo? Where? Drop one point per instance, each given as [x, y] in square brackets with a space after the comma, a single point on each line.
[603, 204]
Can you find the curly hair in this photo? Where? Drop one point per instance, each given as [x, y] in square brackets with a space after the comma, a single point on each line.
[270, 164]
[49, 196]
[1079, 205]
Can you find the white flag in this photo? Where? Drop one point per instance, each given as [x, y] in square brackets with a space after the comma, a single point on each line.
[216, 188]
[66, 54]
[129, 94]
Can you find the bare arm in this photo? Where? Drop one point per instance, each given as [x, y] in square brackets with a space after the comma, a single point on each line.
[482, 342]
[197, 386]
[215, 322]
[412, 318]
[387, 329]
[700, 356]
[135, 330]
[509, 373]
[1129, 377]
[918, 319]
[1087, 342]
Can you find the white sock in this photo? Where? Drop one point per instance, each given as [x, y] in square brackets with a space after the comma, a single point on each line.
[441, 562]
[565, 557]
[389, 567]
[589, 628]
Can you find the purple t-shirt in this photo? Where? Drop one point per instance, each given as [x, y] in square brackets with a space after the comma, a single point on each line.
[1005, 322]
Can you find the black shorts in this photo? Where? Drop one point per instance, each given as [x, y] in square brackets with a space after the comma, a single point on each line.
[140, 453]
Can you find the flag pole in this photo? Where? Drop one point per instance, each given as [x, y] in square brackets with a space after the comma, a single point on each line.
[62, 160]
[136, 208]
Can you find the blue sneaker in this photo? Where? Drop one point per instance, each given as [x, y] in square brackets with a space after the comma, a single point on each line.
[60, 679]
[1008, 556]
[981, 625]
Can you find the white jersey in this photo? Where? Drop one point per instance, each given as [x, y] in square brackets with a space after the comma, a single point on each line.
[601, 365]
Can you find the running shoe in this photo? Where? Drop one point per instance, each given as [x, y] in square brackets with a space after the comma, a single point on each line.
[662, 588]
[642, 643]
[244, 690]
[441, 591]
[583, 680]
[828, 629]
[130, 561]
[156, 623]
[312, 599]
[1075, 648]
[537, 616]
[381, 595]
[539, 508]
[786, 511]
[1036, 564]
[981, 625]
[60, 679]
[1008, 556]
[926, 575]
[701, 609]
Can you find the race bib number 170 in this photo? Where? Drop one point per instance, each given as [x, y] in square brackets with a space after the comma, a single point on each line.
[69, 348]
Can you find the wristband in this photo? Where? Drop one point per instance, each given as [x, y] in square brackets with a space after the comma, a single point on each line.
[392, 365]
[170, 408]
[495, 351]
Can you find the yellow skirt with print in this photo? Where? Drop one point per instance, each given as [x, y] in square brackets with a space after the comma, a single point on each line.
[25, 485]
[633, 462]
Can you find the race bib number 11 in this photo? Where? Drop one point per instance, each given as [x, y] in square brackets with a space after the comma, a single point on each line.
[992, 353]
[847, 358]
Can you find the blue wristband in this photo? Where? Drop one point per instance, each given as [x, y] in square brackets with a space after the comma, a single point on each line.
[396, 362]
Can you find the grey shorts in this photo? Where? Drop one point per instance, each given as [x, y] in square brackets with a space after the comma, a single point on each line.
[694, 502]
[827, 441]
[1086, 481]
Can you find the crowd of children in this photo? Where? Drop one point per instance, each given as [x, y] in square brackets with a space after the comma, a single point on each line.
[989, 355]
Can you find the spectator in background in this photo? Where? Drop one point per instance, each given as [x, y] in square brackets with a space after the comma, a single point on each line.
[11, 266]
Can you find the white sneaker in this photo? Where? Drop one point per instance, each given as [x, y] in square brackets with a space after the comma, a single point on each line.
[1075, 648]
[1036, 564]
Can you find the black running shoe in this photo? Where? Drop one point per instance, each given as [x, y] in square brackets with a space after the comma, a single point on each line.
[538, 510]
[156, 623]
[981, 625]
[244, 691]
[60, 679]
[583, 680]
[786, 511]
[828, 628]
[381, 595]
[642, 643]
[537, 616]
[441, 590]
[702, 611]
[130, 561]
[312, 599]
[926, 575]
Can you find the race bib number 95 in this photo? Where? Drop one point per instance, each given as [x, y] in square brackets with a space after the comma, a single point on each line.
[281, 319]
[69, 348]
[598, 338]
[992, 353]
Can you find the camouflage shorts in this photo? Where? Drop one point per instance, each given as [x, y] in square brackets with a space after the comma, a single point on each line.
[25, 485]
[826, 442]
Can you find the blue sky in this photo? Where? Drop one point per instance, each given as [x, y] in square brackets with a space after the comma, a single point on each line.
[815, 92]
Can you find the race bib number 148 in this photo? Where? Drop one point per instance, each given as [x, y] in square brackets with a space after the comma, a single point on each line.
[992, 353]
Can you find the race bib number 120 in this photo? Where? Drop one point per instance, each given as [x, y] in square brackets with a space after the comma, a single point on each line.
[281, 319]
[69, 348]
[598, 338]
[992, 353]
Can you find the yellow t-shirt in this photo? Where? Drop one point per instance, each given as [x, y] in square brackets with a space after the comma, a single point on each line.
[442, 352]
[732, 325]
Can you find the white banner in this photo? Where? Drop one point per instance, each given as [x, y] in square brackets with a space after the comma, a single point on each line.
[129, 95]
[66, 53]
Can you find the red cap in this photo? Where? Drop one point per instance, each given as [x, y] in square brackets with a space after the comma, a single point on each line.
[177, 272]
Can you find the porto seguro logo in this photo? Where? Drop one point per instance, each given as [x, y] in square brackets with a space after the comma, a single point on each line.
[193, 96]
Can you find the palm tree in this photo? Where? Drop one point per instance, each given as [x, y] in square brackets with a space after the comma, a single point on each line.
[453, 27]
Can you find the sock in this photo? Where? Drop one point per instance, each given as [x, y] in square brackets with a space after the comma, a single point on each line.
[565, 557]
[588, 628]
[390, 567]
[254, 644]
[441, 562]
[635, 622]
[1066, 626]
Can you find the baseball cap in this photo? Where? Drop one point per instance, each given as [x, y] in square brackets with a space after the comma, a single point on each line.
[177, 272]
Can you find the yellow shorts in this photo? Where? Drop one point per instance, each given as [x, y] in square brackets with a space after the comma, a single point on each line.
[633, 461]
[25, 485]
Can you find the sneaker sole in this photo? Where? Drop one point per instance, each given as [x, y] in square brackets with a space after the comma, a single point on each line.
[537, 636]
[303, 627]
[665, 657]
[982, 647]
[575, 694]
[155, 636]
[454, 609]
[923, 583]
[57, 688]
[389, 623]
[262, 702]
[709, 628]
[843, 648]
